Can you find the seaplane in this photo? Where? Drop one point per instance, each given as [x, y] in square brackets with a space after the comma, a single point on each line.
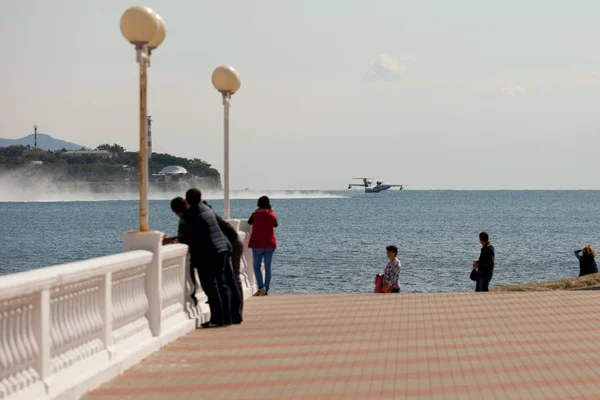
[379, 186]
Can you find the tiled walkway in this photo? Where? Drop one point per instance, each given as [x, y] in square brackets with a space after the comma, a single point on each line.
[407, 346]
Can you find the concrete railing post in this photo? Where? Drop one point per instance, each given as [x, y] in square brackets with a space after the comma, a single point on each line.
[151, 241]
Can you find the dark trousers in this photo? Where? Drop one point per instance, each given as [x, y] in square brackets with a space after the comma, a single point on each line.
[236, 259]
[483, 283]
[212, 278]
[235, 294]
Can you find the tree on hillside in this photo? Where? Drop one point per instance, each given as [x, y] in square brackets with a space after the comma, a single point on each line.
[92, 168]
[115, 148]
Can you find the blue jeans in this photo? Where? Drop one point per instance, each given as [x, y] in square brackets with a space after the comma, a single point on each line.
[258, 255]
[483, 283]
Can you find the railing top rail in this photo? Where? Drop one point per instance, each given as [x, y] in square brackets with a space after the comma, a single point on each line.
[32, 281]
[241, 225]
[174, 250]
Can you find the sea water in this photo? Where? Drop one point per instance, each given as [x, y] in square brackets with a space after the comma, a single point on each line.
[334, 242]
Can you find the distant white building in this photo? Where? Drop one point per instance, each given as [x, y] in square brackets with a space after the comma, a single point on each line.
[170, 174]
[173, 170]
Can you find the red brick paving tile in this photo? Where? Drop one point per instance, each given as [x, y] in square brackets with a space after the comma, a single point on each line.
[444, 340]
[383, 332]
[421, 352]
[476, 323]
[365, 392]
[528, 346]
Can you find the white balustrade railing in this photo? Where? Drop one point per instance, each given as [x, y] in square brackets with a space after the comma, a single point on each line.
[65, 329]
[54, 320]
[129, 304]
[174, 298]
[19, 340]
[75, 323]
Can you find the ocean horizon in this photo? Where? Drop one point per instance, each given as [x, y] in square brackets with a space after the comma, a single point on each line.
[334, 241]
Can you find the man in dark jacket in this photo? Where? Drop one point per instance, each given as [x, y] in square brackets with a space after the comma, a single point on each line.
[209, 250]
[179, 207]
[485, 263]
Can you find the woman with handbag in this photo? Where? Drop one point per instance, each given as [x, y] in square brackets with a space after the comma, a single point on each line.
[391, 275]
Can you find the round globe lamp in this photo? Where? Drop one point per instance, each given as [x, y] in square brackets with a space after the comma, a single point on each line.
[226, 79]
[139, 25]
[161, 34]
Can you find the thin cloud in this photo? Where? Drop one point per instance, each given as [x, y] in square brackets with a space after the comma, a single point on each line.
[387, 67]
[514, 90]
[508, 87]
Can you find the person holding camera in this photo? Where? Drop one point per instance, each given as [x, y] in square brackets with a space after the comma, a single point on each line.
[587, 262]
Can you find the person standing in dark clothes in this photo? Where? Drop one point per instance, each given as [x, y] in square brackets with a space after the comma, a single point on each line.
[587, 262]
[209, 250]
[237, 292]
[485, 264]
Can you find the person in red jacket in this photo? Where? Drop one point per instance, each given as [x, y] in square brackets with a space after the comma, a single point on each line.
[263, 242]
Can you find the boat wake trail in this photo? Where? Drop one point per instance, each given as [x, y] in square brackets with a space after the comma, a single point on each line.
[47, 189]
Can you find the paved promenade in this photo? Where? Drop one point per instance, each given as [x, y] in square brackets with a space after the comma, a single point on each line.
[407, 346]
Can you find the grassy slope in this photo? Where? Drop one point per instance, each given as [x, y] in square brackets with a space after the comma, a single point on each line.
[563, 284]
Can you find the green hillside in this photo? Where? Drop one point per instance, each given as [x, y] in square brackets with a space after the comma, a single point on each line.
[115, 165]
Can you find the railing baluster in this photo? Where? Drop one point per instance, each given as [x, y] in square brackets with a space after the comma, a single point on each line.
[106, 313]
[41, 331]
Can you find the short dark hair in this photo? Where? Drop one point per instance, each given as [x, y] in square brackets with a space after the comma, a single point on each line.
[264, 202]
[178, 205]
[193, 197]
[392, 248]
[484, 236]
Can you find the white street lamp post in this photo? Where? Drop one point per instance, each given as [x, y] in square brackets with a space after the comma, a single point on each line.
[227, 81]
[146, 30]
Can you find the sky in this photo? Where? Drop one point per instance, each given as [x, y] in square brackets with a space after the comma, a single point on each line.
[463, 94]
